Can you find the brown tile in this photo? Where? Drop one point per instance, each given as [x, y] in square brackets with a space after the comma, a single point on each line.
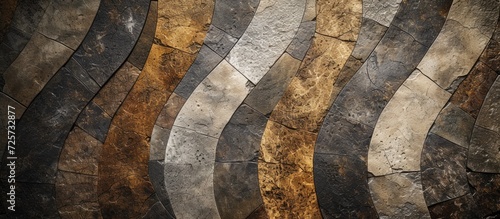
[80, 153]
[170, 110]
[76, 195]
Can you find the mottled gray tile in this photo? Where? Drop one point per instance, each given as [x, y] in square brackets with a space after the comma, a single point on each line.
[233, 16]
[302, 40]
[380, 11]
[454, 125]
[219, 41]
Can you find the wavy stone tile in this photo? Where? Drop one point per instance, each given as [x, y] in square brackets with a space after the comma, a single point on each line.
[139, 54]
[347, 129]
[6, 15]
[443, 167]
[58, 105]
[280, 21]
[80, 153]
[398, 195]
[380, 11]
[302, 40]
[67, 22]
[233, 17]
[156, 169]
[34, 67]
[486, 193]
[402, 127]
[219, 41]
[370, 34]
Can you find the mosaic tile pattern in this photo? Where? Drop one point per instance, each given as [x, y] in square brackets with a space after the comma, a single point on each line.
[253, 109]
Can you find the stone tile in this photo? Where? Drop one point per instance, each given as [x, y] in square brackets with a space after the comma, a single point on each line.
[113, 34]
[27, 194]
[286, 172]
[339, 19]
[398, 196]
[240, 139]
[6, 14]
[309, 91]
[370, 34]
[402, 127]
[183, 25]
[269, 90]
[139, 54]
[158, 143]
[76, 195]
[37, 63]
[490, 55]
[443, 170]
[344, 176]
[484, 153]
[310, 11]
[236, 189]
[233, 17]
[19, 110]
[54, 111]
[204, 63]
[212, 103]
[257, 50]
[471, 92]
[462, 207]
[455, 125]
[423, 20]
[287, 192]
[489, 115]
[94, 121]
[169, 112]
[191, 191]
[189, 147]
[486, 194]
[380, 11]
[28, 15]
[82, 75]
[67, 22]
[219, 41]
[157, 176]
[351, 66]
[462, 40]
[80, 153]
[12, 44]
[111, 96]
[302, 40]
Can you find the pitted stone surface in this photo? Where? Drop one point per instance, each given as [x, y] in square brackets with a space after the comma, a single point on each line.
[266, 38]
[219, 41]
[189, 147]
[398, 195]
[381, 11]
[443, 169]
[401, 129]
[67, 22]
[35, 66]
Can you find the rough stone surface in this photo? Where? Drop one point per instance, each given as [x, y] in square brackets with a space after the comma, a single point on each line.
[204, 63]
[269, 90]
[443, 170]
[310, 11]
[219, 41]
[189, 147]
[402, 127]
[489, 116]
[339, 19]
[380, 11]
[236, 189]
[94, 121]
[233, 17]
[462, 207]
[28, 15]
[302, 40]
[67, 22]
[370, 34]
[257, 50]
[486, 194]
[398, 196]
[240, 140]
[80, 153]
[76, 195]
[484, 151]
[139, 54]
[462, 40]
[454, 125]
[37, 63]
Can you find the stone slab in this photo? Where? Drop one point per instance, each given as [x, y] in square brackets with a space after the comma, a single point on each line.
[380, 11]
[454, 125]
[80, 153]
[484, 151]
[139, 54]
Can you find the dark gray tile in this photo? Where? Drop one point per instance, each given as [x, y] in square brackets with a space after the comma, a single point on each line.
[27, 194]
[219, 41]
[369, 36]
[141, 50]
[233, 16]
[94, 121]
[454, 124]
[156, 175]
[484, 153]
[302, 40]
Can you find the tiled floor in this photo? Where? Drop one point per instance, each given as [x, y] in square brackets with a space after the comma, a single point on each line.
[251, 109]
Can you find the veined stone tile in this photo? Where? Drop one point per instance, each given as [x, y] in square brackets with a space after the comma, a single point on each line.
[486, 194]
[219, 41]
[443, 170]
[236, 189]
[6, 14]
[80, 153]
[179, 27]
[212, 103]
[67, 22]
[141, 50]
[233, 16]
[310, 90]
[240, 139]
[302, 40]
[37, 63]
[189, 147]
[402, 127]
[370, 35]
[339, 19]
[19, 110]
[484, 153]
[453, 124]
[266, 38]
[269, 90]
[204, 63]
[463, 207]
[380, 11]
[398, 195]
[111, 96]
[489, 115]
[471, 92]
[462, 40]
[169, 112]
[76, 195]
[94, 121]
[191, 191]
